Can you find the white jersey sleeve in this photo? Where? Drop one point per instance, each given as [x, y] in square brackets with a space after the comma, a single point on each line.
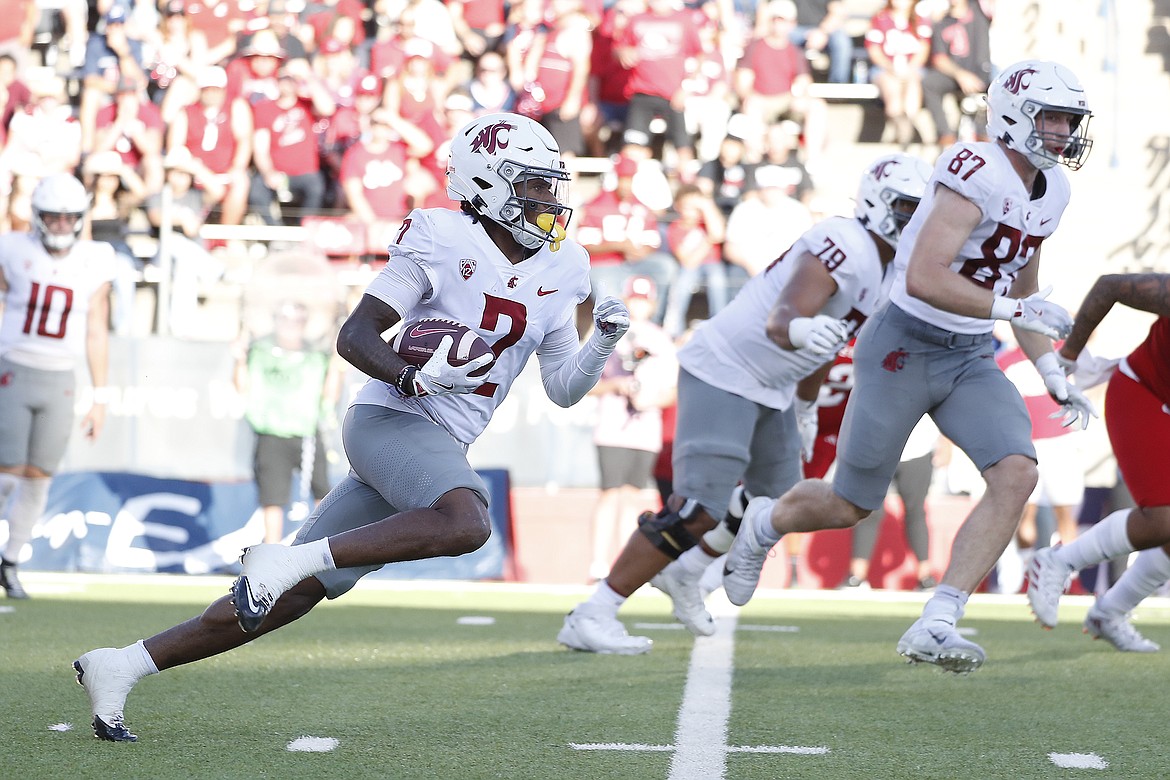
[442, 264]
[732, 349]
[46, 306]
[1014, 224]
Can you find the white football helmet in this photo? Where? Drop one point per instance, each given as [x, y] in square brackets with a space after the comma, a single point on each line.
[889, 192]
[508, 168]
[1018, 95]
[55, 197]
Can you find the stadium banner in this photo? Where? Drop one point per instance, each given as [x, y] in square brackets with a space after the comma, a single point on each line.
[174, 413]
[103, 522]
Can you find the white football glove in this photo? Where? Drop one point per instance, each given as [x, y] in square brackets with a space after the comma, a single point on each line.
[1034, 313]
[438, 377]
[1074, 405]
[806, 423]
[611, 320]
[821, 335]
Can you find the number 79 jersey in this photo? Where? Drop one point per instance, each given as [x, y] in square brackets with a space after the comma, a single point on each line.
[46, 307]
[1014, 224]
[443, 265]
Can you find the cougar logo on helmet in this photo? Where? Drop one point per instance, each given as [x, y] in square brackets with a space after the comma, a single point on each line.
[882, 169]
[1018, 80]
[489, 139]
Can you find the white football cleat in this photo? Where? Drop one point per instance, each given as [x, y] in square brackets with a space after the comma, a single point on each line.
[939, 643]
[683, 589]
[745, 559]
[1047, 581]
[107, 678]
[1117, 631]
[592, 632]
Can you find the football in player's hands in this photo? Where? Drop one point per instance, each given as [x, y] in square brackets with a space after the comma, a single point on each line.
[416, 343]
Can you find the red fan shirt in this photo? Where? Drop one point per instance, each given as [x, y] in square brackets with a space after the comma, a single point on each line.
[294, 143]
[664, 43]
[382, 175]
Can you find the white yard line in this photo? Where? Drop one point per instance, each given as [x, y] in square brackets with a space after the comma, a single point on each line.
[700, 737]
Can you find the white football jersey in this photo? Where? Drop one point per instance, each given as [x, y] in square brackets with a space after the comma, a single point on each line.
[732, 350]
[1013, 227]
[47, 304]
[512, 307]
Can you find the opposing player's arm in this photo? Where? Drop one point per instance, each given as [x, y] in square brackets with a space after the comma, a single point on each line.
[929, 277]
[805, 294]
[1144, 292]
[360, 340]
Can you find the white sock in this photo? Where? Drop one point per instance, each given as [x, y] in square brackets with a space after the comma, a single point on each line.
[311, 558]
[765, 533]
[947, 605]
[1144, 576]
[1105, 540]
[606, 599]
[27, 508]
[696, 560]
[140, 660]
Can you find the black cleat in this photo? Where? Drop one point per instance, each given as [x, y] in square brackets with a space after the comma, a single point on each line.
[11, 582]
[250, 611]
[112, 732]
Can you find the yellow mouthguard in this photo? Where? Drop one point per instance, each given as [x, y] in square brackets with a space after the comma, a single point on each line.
[548, 223]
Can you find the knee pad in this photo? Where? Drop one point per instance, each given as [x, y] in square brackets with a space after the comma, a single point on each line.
[667, 530]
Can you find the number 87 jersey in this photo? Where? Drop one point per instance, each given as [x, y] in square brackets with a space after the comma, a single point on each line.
[46, 299]
[1014, 223]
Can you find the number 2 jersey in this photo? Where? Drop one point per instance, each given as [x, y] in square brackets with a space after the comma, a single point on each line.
[46, 307]
[732, 349]
[1013, 226]
[443, 265]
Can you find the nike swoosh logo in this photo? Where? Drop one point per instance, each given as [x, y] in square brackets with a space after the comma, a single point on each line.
[442, 386]
[252, 606]
[542, 292]
[422, 331]
[1044, 222]
[936, 637]
[727, 571]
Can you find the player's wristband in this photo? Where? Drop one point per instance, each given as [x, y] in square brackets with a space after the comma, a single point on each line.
[405, 380]
[1004, 308]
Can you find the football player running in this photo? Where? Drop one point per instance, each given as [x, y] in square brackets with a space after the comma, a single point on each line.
[737, 419]
[56, 296]
[1137, 412]
[969, 256]
[502, 266]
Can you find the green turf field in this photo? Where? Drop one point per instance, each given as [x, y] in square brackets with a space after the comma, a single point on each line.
[793, 686]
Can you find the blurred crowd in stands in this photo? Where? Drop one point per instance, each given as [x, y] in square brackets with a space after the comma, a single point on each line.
[298, 112]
